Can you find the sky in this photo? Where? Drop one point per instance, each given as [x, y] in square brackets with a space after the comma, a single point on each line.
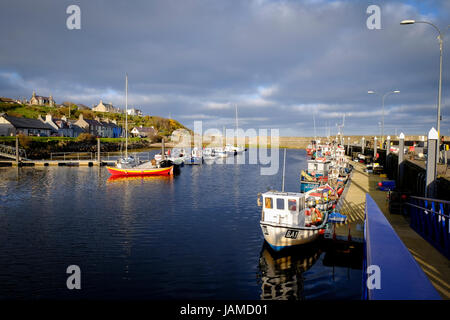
[283, 63]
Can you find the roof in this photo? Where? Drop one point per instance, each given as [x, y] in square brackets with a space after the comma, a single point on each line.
[109, 124]
[283, 194]
[93, 122]
[27, 123]
[145, 129]
[9, 100]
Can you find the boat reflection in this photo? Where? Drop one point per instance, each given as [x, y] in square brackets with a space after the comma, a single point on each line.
[118, 179]
[282, 273]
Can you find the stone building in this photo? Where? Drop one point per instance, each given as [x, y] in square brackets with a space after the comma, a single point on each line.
[105, 107]
[42, 101]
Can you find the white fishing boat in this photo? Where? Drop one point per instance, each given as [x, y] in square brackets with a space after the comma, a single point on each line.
[286, 221]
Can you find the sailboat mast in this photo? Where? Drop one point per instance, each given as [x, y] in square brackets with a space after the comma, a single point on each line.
[126, 116]
[237, 137]
[314, 119]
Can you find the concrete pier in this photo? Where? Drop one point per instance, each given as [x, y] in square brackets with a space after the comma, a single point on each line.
[433, 263]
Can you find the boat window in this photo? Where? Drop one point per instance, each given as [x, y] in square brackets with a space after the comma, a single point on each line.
[280, 204]
[292, 205]
[268, 203]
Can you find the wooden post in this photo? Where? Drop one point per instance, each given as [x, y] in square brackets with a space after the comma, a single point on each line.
[98, 152]
[17, 150]
[388, 145]
[401, 155]
[430, 186]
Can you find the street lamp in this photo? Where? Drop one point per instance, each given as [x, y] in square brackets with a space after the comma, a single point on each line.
[382, 109]
[404, 22]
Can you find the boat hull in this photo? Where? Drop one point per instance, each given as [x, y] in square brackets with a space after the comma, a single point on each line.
[281, 237]
[141, 172]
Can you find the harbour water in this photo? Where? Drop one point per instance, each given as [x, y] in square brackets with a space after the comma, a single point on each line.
[191, 236]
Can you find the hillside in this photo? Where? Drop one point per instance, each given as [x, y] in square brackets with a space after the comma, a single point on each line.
[164, 126]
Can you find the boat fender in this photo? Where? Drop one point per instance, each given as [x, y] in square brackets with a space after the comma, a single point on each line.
[340, 190]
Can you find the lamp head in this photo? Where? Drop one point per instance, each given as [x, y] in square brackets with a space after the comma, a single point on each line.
[370, 92]
[408, 22]
[397, 91]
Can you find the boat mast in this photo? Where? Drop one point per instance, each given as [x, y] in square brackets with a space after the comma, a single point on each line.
[126, 116]
[314, 119]
[284, 170]
[237, 136]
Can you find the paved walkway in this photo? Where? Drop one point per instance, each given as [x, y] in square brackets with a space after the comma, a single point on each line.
[433, 263]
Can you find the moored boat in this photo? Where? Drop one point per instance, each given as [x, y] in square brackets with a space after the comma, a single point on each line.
[286, 221]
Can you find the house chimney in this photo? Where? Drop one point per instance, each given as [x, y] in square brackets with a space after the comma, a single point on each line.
[40, 118]
[64, 118]
[80, 117]
[97, 118]
[48, 117]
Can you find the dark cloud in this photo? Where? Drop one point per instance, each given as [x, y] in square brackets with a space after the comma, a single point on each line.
[280, 61]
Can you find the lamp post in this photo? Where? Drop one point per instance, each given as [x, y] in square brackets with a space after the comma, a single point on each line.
[383, 97]
[404, 22]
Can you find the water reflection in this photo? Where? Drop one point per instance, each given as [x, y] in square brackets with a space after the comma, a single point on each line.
[126, 180]
[282, 272]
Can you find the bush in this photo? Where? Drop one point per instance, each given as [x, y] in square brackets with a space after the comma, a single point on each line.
[24, 141]
[157, 139]
[87, 138]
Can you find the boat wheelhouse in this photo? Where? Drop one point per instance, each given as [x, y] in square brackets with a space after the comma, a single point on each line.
[318, 167]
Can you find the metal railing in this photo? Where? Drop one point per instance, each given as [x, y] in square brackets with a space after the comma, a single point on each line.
[113, 155]
[8, 150]
[72, 156]
[400, 277]
[430, 218]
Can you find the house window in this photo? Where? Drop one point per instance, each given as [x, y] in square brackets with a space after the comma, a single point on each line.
[292, 205]
[280, 204]
[268, 203]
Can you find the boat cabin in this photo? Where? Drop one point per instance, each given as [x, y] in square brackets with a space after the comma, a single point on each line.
[283, 208]
[319, 167]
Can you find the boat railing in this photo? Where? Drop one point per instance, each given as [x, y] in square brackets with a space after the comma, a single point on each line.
[430, 218]
[389, 270]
